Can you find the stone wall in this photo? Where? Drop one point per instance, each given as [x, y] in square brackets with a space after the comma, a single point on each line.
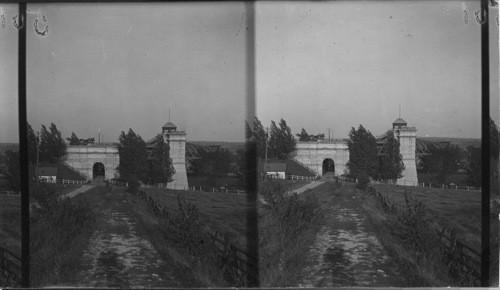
[312, 154]
[83, 158]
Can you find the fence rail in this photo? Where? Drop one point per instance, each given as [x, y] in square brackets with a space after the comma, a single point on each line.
[300, 177]
[10, 192]
[246, 263]
[75, 182]
[449, 238]
[10, 265]
[114, 182]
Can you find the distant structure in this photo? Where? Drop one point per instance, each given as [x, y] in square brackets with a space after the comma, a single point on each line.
[331, 156]
[94, 160]
[177, 142]
[407, 138]
[407, 147]
[323, 156]
[102, 159]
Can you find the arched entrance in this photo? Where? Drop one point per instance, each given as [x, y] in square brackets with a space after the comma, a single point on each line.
[328, 166]
[98, 170]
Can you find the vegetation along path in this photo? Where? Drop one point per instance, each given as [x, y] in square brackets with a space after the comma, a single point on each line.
[346, 250]
[118, 254]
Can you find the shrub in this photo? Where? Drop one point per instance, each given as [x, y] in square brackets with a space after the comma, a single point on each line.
[133, 185]
[363, 181]
[59, 232]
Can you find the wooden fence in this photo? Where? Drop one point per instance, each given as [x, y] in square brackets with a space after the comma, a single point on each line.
[9, 192]
[299, 177]
[10, 265]
[75, 182]
[449, 238]
[246, 263]
[343, 178]
[114, 182]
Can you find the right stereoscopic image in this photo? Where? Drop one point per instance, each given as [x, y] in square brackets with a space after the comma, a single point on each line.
[368, 137]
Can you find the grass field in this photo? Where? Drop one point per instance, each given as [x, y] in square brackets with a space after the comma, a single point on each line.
[460, 209]
[10, 223]
[221, 212]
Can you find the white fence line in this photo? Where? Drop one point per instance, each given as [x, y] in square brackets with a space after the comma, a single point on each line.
[68, 181]
[10, 192]
[300, 177]
[114, 182]
[430, 185]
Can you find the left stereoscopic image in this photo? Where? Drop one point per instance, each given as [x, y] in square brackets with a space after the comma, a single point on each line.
[10, 198]
[136, 140]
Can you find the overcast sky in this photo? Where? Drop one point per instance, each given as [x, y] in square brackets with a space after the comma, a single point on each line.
[319, 65]
[119, 66]
[9, 129]
[336, 65]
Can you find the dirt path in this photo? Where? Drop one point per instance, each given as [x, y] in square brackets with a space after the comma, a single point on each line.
[346, 251]
[118, 256]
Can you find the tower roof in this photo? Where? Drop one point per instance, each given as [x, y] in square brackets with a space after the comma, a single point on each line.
[399, 121]
[169, 125]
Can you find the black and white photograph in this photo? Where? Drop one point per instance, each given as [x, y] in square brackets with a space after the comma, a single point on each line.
[136, 117]
[368, 129]
[240, 144]
[10, 198]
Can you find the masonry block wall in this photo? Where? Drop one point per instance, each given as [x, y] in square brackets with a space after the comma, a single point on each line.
[83, 158]
[312, 154]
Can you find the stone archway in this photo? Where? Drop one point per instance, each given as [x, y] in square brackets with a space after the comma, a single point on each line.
[98, 170]
[328, 166]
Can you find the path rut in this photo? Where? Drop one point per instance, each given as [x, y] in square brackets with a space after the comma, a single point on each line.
[346, 251]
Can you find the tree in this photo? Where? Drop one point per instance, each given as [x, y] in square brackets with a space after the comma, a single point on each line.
[391, 161]
[442, 161]
[362, 152]
[474, 167]
[160, 167]
[213, 166]
[282, 144]
[52, 146]
[133, 157]
[260, 135]
[13, 170]
[32, 144]
[73, 140]
[303, 135]
[317, 137]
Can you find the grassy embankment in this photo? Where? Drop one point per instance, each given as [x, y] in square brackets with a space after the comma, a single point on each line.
[287, 227]
[59, 233]
[408, 235]
[201, 213]
[10, 223]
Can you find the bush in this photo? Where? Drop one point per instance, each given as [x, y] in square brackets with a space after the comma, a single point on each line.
[59, 232]
[363, 181]
[133, 185]
[284, 227]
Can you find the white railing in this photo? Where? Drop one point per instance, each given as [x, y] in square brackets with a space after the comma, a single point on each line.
[343, 178]
[10, 192]
[299, 177]
[114, 182]
[74, 182]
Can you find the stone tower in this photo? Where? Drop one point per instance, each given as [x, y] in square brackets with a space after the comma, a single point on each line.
[177, 142]
[407, 138]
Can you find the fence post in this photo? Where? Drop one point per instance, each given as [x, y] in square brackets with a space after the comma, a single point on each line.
[453, 240]
[226, 190]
